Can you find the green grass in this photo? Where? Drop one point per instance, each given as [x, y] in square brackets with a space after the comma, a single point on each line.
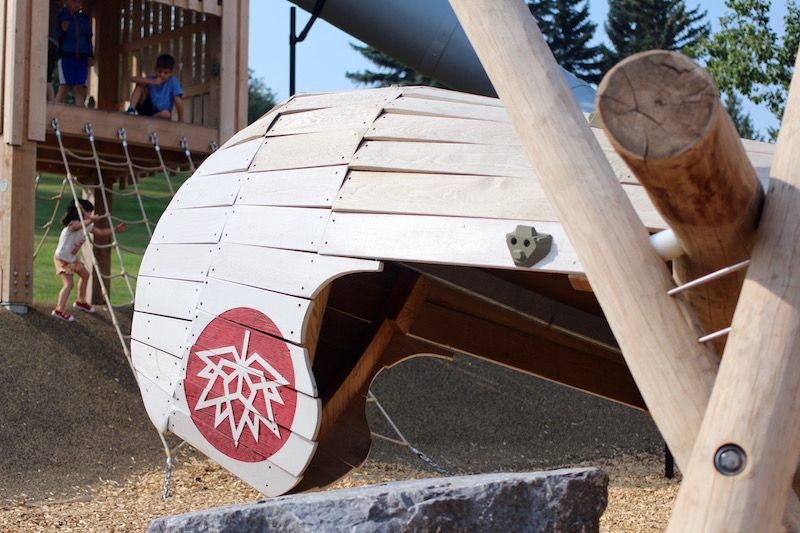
[154, 191]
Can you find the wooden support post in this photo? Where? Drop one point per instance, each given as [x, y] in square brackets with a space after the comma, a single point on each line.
[17, 208]
[656, 333]
[662, 113]
[756, 398]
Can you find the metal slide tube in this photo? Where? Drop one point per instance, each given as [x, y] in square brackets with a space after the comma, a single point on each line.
[424, 35]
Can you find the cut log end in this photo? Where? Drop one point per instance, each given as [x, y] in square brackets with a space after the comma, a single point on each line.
[657, 104]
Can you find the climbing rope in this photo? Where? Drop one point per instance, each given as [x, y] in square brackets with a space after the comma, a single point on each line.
[403, 442]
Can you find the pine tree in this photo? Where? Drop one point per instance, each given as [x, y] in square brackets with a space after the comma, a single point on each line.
[260, 98]
[639, 25]
[392, 72]
[742, 120]
[568, 35]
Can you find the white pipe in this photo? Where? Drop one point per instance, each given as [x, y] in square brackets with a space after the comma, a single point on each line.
[666, 244]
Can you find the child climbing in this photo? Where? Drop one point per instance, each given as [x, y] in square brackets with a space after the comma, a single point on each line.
[66, 256]
[155, 95]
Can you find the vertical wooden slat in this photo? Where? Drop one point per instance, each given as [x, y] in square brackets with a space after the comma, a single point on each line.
[37, 94]
[228, 71]
[15, 71]
[242, 79]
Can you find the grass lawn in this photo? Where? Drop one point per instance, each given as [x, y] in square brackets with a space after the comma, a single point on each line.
[155, 198]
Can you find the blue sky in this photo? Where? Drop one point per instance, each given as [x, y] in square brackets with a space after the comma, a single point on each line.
[324, 57]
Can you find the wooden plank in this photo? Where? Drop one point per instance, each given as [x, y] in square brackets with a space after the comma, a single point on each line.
[380, 97]
[255, 130]
[208, 191]
[288, 313]
[401, 127]
[326, 119]
[157, 402]
[313, 323]
[435, 93]
[212, 332]
[191, 226]
[167, 297]
[37, 87]
[15, 71]
[446, 240]
[233, 159]
[229, 73]
[307, 150]
[419, 106]
[4, 19]
[462, 195]
[290, 228]
[313, 187]
[242, 83]
[177, 261]
[657, 334]
[443, 158]
[265, 476]
[161, 368]
[296, 273]
[17, 210]
[170, 335]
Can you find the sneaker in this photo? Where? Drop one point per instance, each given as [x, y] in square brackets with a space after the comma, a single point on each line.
[83, 306]
[61, 315]
[131, 111]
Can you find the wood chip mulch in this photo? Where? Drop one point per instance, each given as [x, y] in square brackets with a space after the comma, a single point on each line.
[639, 500]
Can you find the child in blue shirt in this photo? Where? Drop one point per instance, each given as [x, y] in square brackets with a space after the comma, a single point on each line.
[76, 55]
[155, 95]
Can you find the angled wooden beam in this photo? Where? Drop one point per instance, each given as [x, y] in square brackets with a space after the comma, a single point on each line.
[662, 113]
[754, 405]
[657, 334]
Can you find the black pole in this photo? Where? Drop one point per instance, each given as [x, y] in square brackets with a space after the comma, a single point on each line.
[294, 39]
[292, 46]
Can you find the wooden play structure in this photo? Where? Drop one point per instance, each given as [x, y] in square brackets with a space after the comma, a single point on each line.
[344, 232]
[209, 43]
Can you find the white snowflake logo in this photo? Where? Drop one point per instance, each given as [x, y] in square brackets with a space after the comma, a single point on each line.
[237, 375]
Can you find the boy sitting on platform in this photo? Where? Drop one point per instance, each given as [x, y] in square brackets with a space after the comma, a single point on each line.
[155, 95]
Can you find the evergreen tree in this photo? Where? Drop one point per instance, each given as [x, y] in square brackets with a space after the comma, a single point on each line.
[639, 25]
[742, 120]
[391, 72]
[568, 34]
[260, 98]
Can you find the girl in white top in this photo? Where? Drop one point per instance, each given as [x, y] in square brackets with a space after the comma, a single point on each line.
[66, 256]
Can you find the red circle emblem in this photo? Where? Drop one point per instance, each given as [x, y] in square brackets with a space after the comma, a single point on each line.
[240, 385]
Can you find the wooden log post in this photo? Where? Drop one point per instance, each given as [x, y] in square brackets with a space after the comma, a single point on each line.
[657, 333]
[662, 113]
[755, 401]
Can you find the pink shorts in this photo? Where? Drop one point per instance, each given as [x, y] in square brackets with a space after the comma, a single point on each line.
[65, 267]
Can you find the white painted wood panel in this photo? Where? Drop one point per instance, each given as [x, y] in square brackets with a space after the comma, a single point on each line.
[256, 129]
[167, 334]
[420, 106]
[295, 273]
[399, 127]
[306, 101]
[208, 191]
[161, 368]
[157, 403]
[307, 150]
[331, 118]
[301, 366]
[291, 228]
[177, 261]
[168, 297]
[287, 312]
[266, 476]
[435, 93]
[443, 158]
[447, 240]
[230, 159]
[306, 187]
[191, 226]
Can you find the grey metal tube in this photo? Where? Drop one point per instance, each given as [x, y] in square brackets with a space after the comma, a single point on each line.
[424, 35]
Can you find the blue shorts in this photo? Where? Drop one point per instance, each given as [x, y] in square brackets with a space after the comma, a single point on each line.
[73, 71]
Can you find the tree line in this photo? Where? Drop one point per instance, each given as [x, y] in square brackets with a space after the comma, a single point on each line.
[747, 57]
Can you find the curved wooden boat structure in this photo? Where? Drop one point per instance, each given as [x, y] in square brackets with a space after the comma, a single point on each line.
[342, 233]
